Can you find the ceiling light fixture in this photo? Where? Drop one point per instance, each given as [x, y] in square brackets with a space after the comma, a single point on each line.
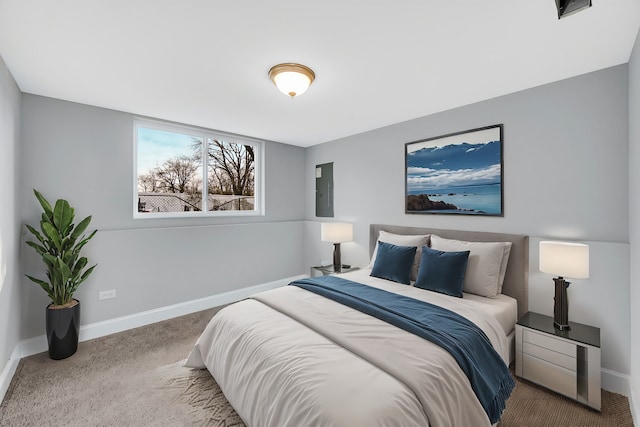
[292, 79]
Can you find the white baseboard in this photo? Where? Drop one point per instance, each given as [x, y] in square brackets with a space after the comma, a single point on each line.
[616, 382]
[38, 344]
[7, 375]
[635, 410]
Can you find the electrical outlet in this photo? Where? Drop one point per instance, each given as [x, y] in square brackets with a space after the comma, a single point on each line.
[111, 293]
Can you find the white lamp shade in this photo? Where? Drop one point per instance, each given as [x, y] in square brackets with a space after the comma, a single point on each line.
[336, 232]
[565, 259]
[292, 83]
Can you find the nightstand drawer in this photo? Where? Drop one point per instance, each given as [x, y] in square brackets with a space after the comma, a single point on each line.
[549, 342]
[549, 375]
[551, 356]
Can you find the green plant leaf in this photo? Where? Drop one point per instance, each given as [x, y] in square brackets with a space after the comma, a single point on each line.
[87, 273]
[84, 241]
[44, 220]
[69, 257]
[46, 206]
[82, 225]
[44, 285]
[66, 244]
[52, 233]
[64, 269]
[38, 281]
[77, 268]
[36, 233]
[62, 215]
[41, 250]
[49, 260]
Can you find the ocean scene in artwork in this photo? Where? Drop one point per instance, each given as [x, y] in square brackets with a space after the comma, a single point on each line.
[457, 174]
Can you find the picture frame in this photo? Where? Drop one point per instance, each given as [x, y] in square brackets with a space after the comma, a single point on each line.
[460, 173]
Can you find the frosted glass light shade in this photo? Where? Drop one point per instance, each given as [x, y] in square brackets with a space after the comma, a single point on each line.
[336, 232]
[292, 79]
[565, 259]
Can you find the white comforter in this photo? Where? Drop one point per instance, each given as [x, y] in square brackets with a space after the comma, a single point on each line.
[289, 357]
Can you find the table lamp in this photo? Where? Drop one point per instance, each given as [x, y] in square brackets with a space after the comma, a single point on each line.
[336, 233]
[564, 260]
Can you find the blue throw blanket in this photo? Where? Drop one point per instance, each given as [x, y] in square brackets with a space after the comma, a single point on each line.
[468, 344]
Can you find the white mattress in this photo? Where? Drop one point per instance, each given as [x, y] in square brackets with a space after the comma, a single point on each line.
[503, 308]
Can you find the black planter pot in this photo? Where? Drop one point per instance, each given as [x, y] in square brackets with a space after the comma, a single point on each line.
[63, 327]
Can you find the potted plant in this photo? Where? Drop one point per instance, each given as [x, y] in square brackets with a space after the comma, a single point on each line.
[59, 243]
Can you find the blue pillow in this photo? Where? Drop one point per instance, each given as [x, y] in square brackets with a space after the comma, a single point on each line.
[442, 271]
[394, 262]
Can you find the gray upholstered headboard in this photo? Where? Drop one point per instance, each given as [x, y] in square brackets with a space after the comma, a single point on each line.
[516, 281]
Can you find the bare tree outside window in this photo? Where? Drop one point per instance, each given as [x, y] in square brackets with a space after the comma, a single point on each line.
[177, 175]
[231, 168]
[148, 182]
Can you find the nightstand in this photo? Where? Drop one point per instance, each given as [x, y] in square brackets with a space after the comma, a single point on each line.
[567, 362]
[328, 270]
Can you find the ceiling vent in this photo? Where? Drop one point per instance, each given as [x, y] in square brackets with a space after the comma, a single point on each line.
[569, 7]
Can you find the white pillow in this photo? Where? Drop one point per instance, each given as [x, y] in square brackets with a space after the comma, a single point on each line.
[485, 272]
[403, 240]
[506, 251]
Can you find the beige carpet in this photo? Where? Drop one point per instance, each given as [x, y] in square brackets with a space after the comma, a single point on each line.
[531, 405]
[135, 378]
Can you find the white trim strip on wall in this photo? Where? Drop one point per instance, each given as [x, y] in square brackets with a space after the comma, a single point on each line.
[38, 344]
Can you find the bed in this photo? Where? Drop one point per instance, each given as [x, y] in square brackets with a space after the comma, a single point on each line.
[291, 357]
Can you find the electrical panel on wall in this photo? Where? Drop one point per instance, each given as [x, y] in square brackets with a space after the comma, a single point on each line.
[324, 190]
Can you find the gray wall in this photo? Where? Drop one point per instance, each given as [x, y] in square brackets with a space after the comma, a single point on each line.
[10, 305]
[564, 146]
[85, 155]
[634, 218]
[565, 178]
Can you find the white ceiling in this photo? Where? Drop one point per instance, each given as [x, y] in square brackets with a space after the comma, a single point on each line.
[205, 62]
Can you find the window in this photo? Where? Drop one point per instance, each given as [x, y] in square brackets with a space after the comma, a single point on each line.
[187, 172]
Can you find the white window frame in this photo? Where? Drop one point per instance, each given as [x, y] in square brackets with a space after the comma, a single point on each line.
[205, 134]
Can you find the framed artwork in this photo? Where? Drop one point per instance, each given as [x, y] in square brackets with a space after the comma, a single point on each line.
[460, 173]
